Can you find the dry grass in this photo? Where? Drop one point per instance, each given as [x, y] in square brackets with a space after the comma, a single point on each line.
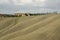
[44, 27]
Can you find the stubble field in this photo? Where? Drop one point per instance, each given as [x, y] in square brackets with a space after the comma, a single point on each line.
[43, 27]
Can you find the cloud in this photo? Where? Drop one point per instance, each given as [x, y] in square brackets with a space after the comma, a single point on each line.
[21, 2]
[29, 5]
[4, 2]
[24, 2]
[29, 2]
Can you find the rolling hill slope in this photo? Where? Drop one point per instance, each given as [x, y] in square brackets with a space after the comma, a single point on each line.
[44, 27]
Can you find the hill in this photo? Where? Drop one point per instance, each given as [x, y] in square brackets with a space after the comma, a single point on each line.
[43, 27]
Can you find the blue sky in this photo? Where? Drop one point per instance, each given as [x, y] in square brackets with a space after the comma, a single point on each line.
[30, 6]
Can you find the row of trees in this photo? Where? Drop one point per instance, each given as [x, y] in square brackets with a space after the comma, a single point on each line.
[27, 14]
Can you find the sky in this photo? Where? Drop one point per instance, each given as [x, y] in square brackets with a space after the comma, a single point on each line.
[29, 6]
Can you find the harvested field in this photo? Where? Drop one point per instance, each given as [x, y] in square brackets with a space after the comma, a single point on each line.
[43, 27]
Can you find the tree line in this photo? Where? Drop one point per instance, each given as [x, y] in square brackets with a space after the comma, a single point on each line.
[26, 14]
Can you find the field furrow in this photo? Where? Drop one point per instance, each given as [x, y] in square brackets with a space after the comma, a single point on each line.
[44, 27]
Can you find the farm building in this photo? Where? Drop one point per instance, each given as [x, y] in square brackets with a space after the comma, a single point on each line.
[22, 14]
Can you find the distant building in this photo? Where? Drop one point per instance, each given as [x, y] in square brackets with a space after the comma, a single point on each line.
[21, 14]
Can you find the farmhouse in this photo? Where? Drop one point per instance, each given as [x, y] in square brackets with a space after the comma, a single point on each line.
[22, 14]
